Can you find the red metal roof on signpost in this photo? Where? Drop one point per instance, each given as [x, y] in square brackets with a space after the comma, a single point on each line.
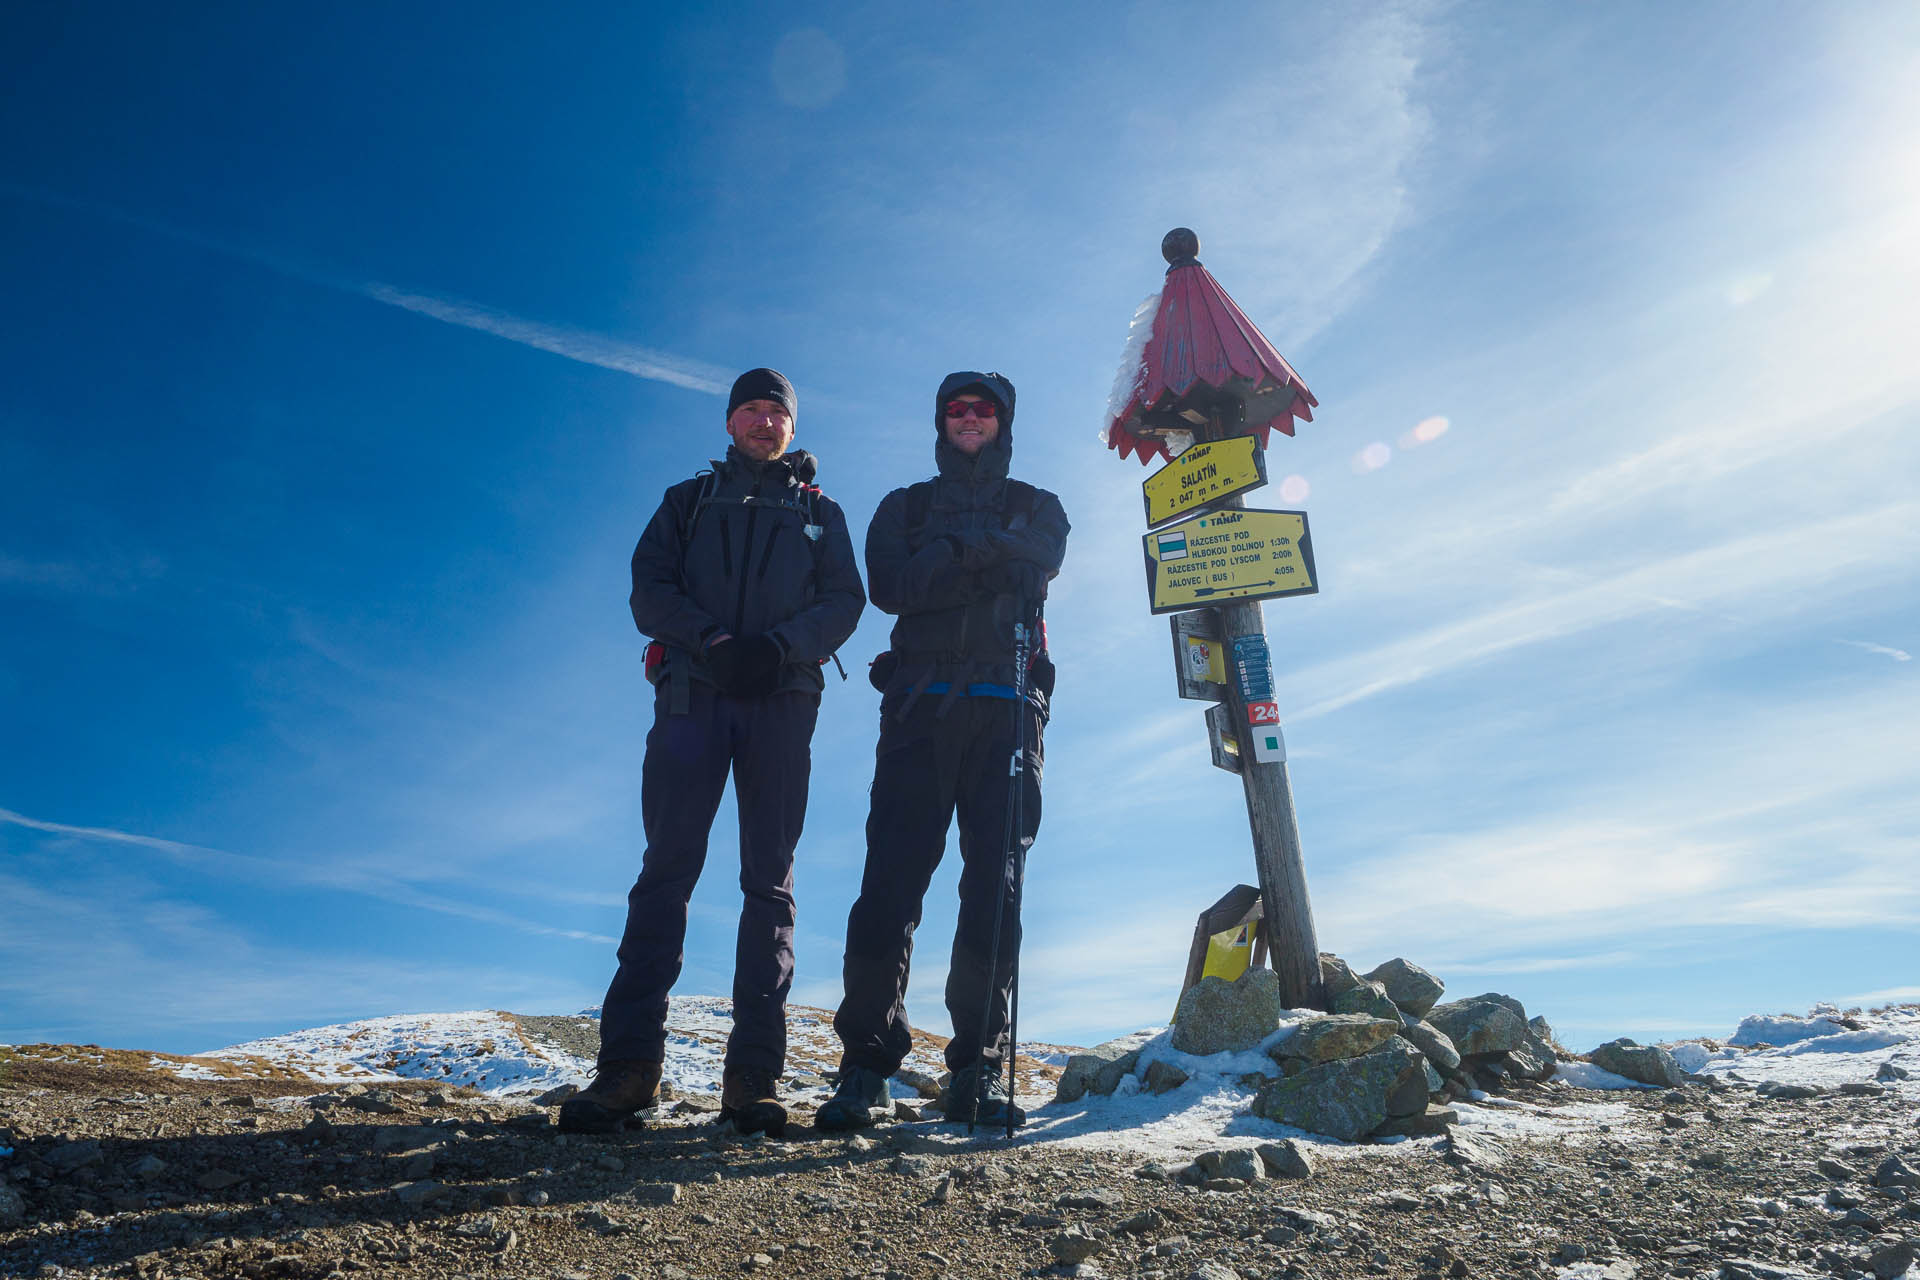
[1201, 337]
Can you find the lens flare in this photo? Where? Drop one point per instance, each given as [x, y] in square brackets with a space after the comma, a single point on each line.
[1293, 489]
[1425, 431]
[1744, 289]
[1373, 457]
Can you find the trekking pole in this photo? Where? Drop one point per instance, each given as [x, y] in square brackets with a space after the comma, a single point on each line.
[1019, 859]
[1010, 866]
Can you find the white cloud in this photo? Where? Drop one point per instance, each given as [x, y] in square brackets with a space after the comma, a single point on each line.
[1898, 655]
[124, 961]
[1824, 557]
[1313, 168]
[304, 872]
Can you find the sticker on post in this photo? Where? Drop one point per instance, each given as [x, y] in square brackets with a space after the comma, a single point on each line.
[1199, 655]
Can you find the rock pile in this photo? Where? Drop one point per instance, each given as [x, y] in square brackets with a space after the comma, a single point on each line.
[1385, 1061]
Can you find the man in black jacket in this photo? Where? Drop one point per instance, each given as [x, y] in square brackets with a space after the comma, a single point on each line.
[959, 560]
[746, 581]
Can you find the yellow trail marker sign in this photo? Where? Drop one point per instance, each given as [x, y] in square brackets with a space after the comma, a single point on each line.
[1229, 555]
[1203, 474]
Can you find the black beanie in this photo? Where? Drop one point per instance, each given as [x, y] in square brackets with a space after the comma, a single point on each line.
[763, 384]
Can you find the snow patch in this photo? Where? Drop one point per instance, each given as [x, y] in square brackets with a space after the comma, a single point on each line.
[1585, 1075]
[1131, 378]
[1782, 1029]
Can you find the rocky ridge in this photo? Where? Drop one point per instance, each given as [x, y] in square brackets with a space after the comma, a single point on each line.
[219, 1185]
[104, 1172]
[1385, 1063]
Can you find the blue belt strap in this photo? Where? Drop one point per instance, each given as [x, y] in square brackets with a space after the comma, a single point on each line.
[975, 690]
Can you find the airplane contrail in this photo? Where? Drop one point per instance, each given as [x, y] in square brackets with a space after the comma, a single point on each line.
[574, 344]
[571, 344]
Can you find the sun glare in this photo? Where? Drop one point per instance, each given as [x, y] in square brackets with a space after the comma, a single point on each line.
[1373, 457]
[1425, 431]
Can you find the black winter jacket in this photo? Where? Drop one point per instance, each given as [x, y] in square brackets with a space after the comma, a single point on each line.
[769, 553]
[931, 544]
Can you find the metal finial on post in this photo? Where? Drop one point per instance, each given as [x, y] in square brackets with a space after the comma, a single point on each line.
[1180, 246]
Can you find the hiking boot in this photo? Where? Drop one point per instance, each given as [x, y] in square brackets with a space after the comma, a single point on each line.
[861, 1099]
[619, 1089]
[980, 1095]
[749, 1099]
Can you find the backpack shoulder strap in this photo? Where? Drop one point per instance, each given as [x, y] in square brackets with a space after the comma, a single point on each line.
[919, 503]
[1020, 499]
[709, 481]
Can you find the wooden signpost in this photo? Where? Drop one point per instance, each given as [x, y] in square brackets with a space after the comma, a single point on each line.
[1208, 378]
[1243, 729]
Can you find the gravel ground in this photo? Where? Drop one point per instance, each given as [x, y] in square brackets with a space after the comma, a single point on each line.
[110, 1175]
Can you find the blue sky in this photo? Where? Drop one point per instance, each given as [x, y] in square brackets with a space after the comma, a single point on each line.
[348, 352]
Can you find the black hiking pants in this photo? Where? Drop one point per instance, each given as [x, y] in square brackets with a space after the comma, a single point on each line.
[766, 744]
[929, 767]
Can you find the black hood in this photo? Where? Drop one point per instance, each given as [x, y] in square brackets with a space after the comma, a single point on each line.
[992, 461]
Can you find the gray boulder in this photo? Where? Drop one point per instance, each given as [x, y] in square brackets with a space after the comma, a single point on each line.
[1075, 1245]
[1431, 1122]
[1098, 1070]
[1347, 1098]
[1213, 1271]
[1336, 976]
[1163, 1077]
[69, 1156]
[1409, 1097]
[1785, 1092]
[1648, 1064]
[1410, 987]
[1895, 1172]
[1217, 1016]
[1287, 1159]
[13, 1210]
[1337, 1035]
[1242, 1164]
[1369, 998]
[1431, 1042]
[1542, 1030]
[1534, 1059]
[1479, 1026]
[1494, 997]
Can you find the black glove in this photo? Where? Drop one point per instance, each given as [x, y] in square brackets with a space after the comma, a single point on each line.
[1022, 579]
[974, 550]
[752, 667]
[723, 660]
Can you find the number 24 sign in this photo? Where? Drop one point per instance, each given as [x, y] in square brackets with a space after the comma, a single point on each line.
[1263, 713]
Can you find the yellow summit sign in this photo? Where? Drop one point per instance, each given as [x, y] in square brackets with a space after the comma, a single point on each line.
[1229, 555]
[1203, 474]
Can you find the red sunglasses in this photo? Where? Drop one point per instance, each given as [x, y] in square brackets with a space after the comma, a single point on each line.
[972, 409]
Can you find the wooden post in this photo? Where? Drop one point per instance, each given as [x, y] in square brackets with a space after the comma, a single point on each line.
[1293, 948]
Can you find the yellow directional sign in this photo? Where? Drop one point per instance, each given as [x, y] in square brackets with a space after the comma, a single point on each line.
[1203, 474]
[1229, 555]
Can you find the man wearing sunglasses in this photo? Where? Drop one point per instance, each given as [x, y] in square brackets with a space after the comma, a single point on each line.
[746, 581]
[958, 560]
